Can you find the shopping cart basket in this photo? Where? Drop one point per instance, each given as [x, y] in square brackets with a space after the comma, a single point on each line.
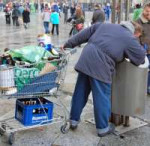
[37, 87]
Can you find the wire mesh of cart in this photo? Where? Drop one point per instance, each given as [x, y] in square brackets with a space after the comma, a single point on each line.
[32, 85]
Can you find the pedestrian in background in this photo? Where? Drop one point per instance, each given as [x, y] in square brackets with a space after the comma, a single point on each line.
[36, 6]
[26, 17]
[28, 5]
[15, 16]
[98, 15]
[72, 9]
[55, 7]
[144, 20]
[80, 6]
[107, 10]
[46, 18]
[21, 9]
[7, 14]
[117, 8]
[42, 7]
[77, 21]
[1, 6]
[65, 11]
[137, 12]
[54, 18]
[96, 66]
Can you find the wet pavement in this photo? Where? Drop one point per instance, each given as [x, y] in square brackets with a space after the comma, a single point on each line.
[16, 37]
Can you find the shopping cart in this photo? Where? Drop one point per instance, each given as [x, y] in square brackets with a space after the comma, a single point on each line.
[38, 87]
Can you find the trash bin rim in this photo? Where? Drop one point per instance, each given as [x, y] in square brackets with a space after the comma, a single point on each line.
[145, 65]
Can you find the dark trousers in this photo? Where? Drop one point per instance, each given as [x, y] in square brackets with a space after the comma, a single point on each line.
[15, 21]
[8, 21]
[70, 33]
[107, 16]
[46, 26]
[101, 99]
[57, 28]
[73, 31]
[65, 17]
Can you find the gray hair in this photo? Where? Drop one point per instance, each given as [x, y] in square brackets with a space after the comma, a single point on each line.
[146, 3]
[128, 25]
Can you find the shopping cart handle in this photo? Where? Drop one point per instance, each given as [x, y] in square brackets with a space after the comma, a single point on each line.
[67, 50]
[70, 51]
[73, 51]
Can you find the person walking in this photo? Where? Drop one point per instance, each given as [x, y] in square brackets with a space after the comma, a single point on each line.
[65, 11]
[7, 14]
[98, 15]
[21, 9]
[107, 44]
[77, 21]
[15, 16]
[46, 19]
[26, 17]
[55, 21]
[1, 6]
[36, 6]
[137, 12]
[55, 7]
[107, 11]
[144, 20]
[42, 7]
[72, 9]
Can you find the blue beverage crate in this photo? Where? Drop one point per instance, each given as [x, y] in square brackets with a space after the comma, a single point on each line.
[33, 114]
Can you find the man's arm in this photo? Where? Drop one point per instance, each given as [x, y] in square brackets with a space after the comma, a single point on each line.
[81, 37]
[135, 52]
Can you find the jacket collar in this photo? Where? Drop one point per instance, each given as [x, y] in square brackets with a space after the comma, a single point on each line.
[143, 19]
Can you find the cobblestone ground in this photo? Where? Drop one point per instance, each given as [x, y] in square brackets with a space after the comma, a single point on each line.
[13, 37]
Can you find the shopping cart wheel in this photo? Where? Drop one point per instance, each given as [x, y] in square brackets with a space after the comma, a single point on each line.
[2, 129]
[65, 128]
[1, 132]
[11, 138]
[3, 126]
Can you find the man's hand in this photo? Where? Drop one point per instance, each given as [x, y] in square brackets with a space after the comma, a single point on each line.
[62, 48]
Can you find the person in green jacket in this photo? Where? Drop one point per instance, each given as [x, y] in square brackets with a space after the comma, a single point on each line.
[137, 12]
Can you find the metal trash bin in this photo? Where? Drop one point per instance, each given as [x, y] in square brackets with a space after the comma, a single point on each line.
[129, 88]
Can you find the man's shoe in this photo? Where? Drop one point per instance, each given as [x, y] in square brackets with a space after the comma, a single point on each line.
[73, 127]
[111, 130]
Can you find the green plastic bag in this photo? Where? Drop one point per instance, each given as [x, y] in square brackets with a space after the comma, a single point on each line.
[31, 54]
[24, 76]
